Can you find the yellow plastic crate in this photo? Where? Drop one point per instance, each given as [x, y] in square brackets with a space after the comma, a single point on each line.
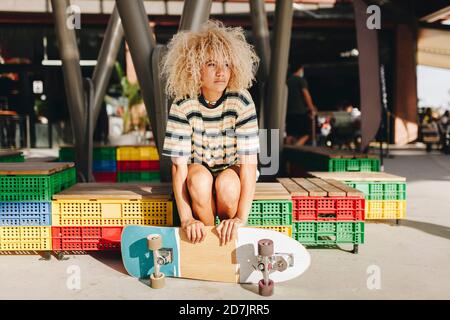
[137, 153]
[287, 230]
[110, 213]
[25, 238]
[385, 209]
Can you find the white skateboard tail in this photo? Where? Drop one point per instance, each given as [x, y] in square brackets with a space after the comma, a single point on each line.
[247, 255]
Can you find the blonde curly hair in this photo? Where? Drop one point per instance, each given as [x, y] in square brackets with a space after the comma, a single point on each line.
[188, 51]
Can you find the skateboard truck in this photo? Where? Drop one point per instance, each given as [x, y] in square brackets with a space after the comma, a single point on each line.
[161, 256]
[268, 262]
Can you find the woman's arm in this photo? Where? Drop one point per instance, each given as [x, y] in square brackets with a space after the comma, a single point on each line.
[247, 175]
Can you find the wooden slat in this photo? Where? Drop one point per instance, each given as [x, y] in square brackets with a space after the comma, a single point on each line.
[116, 191]
[358, 176]
[270, 191]
[207, 252]
[329, 188]
[26, 168]
[313, 190]
[293, 188]
[349, 191]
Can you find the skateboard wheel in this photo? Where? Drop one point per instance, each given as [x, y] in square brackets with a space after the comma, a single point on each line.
[265, 290]
[157, 282]
[265, 247]
[154, 242]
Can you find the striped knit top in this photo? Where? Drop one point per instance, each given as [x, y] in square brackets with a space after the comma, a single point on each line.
[213, 136]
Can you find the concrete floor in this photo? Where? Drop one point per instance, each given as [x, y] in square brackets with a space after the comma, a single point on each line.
[410, 261]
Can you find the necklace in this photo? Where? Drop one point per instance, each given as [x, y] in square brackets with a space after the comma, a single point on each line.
[211, 103]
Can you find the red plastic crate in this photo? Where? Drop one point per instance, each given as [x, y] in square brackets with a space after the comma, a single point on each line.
[328, 208]
[145, 165]
[86, 238]
[105, 176]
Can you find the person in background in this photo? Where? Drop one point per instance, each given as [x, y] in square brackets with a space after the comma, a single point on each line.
[301, 110]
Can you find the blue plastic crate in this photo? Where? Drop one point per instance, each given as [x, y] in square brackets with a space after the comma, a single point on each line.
[25, 213]
[104, 166]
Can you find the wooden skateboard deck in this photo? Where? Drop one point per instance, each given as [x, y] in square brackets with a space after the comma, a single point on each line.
[236, 262]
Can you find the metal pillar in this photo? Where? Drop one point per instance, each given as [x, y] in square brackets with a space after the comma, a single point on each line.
[106, 60]
[262, 43]
[275, 105]
[195, 13]
[85, 96]
[73, 83]
[368, 63]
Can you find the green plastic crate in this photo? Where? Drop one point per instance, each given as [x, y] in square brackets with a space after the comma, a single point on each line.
[271, 206]
[143, 176]
[16, 158]
[380, 190]
[104, 153]
[268, 219]
[21, 188]
[67, 154]
[358, 165]
[330, 232]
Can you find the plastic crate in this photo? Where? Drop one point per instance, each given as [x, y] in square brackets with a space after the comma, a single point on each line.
[35, 187]
[337, 165]
[328, 208]
[25, 213]
[287, 230]
[86, 238]
[104, 154]
[67, 154]
[378, 190]
[149, 165]
[112, 212]
[330, 232]
[143, 176]
[358, 164]
[104, 166]
[386, 209]
[137, 153]
[105, 176]
[25, 238]
[271, 206]
[15, 158]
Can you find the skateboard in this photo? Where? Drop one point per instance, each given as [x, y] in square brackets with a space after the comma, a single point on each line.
[256, 256]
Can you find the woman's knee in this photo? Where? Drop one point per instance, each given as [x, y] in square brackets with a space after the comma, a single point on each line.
[228, 190]
[199, 183]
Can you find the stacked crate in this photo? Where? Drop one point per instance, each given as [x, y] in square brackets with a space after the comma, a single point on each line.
[104, 166]
[326, 212]
[26, 191]
[271, 208]
[11, 156]
[138, 164]
[301, 159]
[91, 216]
[385, 193]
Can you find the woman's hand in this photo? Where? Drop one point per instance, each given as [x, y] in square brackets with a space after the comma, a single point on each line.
[195, 230]
[227, 229]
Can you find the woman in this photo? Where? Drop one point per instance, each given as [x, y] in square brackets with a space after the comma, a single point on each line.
[212, 130]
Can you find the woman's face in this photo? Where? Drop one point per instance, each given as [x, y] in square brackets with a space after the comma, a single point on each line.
[215, 75]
